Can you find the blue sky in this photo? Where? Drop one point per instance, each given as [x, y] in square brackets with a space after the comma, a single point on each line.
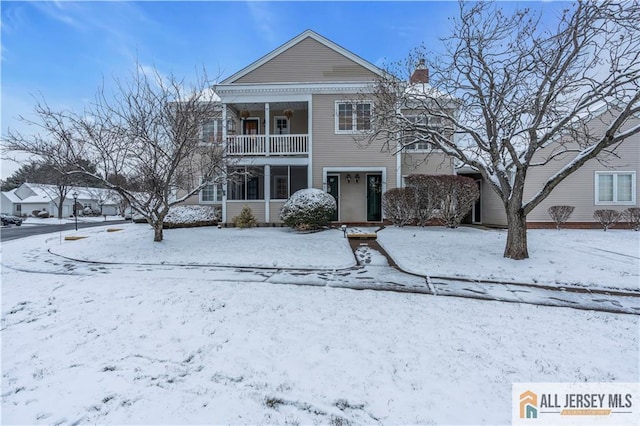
[63, 50]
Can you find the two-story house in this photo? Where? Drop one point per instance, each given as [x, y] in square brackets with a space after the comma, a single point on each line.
[291, 120]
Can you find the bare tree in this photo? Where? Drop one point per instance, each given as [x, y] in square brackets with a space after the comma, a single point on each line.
[519, 95]
[147, 133]
[399, 205]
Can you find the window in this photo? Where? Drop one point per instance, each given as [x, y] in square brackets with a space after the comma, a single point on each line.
[212, 131]
[285, 180]
[353, 117]
[616, 188]
[246, 183]
[211, 193]
[87, 205]
[412, 140]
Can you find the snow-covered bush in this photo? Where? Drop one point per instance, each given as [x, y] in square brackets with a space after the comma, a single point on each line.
[606, 217]
[43, 214]
[399, 205]
[190, 216]
[245, 219]
[458, 194]
[560, 214]
[632, 215]
[308, 209]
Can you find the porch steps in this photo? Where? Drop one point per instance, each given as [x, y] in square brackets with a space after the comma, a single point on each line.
[362, 236]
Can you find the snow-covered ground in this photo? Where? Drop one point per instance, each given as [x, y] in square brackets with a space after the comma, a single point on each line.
[591, 258]
[260, 247]
[139, 344]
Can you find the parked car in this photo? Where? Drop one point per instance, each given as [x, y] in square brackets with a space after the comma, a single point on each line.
[8, 219]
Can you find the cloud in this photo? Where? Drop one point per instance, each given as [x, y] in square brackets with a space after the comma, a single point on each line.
[264, 19]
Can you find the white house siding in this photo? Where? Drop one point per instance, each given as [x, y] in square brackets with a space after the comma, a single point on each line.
[331, 150]
[307, 61]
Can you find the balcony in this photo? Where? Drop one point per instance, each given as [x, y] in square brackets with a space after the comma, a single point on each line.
[265, 145]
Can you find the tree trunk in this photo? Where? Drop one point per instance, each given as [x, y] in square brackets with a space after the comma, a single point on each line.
[516, 247]
[60, 210]
[157, 232]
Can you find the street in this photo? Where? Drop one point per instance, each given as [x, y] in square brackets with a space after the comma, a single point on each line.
[13, 232]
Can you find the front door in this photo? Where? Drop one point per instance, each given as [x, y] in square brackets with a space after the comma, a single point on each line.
[333, 188]
[374, 198]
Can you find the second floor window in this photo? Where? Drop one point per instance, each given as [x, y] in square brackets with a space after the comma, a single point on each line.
[415, 140]
[353, 117]
[212, 131]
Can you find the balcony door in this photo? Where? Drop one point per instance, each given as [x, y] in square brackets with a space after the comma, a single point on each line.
[251, 126]
[281, 125]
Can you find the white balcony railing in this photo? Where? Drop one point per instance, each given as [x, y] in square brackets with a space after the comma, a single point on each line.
[267, 144]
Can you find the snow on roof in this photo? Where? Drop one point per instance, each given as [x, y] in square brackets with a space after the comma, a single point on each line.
[45, 192]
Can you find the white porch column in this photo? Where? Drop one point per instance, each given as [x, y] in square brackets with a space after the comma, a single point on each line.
[267, 192]
[224, 153]
[310, 146]
[267, 129]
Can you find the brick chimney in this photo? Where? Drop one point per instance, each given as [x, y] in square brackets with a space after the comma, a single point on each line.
[421, 74]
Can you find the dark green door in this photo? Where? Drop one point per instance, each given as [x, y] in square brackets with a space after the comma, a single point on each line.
[333, 188]
[374, 198]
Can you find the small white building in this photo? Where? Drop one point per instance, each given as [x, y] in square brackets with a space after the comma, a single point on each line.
[29, 197]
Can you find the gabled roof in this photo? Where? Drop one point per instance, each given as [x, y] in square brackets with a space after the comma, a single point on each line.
[306, 34]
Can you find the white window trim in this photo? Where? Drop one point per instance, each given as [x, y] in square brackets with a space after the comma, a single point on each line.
[354, 115]
[615, 201]
[215, 194]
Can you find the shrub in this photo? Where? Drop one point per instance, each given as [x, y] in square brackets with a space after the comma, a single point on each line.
[35, 213]
[399, 205]
[308, 209]
[427, 196]
[457, 196]
[632, 215]
[560, 214]
[606, 217]
[245, 219]
[43, 214]
[185, 216]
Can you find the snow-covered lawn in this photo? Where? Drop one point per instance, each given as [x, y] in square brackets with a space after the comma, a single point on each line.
[591, 258]
[140, 345]
[259, 247]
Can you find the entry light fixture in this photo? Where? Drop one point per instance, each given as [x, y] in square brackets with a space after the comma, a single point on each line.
[357, 177]
[348, 177]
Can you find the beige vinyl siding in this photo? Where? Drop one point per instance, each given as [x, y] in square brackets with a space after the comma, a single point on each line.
[274, 211]
[353, 199]
[492, 207]
[577, 190]
[234, 208]
[307, 61]
[433, 163]
[342, 150]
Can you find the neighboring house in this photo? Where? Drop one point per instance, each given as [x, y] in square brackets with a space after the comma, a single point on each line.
[291, 120]
[608, 182]
[30, 197]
